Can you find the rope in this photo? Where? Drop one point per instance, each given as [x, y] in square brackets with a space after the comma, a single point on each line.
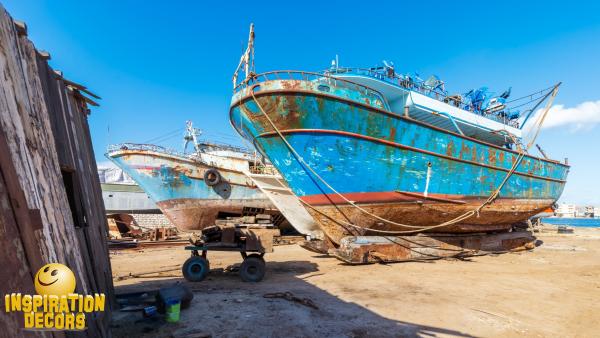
[458, 219]
[539, 92]
[542, 117]
[246, 111]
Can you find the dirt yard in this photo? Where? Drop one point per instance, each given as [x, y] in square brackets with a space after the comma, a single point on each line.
[551, 291]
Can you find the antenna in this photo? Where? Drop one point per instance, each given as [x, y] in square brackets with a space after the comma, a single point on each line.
[191, 134]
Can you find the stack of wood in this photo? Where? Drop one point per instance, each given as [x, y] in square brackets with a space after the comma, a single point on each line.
[119, 229]
[247, 231]
[260, 220]
[125, 226]
[161, 234]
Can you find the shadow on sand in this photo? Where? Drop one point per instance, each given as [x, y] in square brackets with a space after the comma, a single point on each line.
[224, 306]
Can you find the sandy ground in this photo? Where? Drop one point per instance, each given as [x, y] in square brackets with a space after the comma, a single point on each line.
[553, 290]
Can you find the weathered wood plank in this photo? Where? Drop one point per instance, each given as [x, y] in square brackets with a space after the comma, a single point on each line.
[45, 130]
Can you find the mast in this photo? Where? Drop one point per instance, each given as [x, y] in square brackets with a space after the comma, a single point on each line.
[191, 135]
[246, 60]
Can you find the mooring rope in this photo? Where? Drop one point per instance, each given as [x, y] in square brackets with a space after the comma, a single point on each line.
[457, 219]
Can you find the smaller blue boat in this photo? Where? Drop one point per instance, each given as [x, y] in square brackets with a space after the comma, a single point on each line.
[192, 190]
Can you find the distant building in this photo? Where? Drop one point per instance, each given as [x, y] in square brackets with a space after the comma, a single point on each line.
[566, 210]
[122, 195]
[592, 211]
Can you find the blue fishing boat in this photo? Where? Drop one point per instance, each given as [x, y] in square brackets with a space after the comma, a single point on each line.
[193, 189]
[371, 151]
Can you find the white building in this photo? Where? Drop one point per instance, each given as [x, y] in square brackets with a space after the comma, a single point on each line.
[566, 210]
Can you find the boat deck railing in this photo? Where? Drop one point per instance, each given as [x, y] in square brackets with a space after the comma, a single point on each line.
[204, 145]
[396, 79]
[145, 147]
[308, 76]
[212, 145]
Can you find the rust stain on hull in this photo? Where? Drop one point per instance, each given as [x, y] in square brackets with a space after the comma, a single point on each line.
[194, 214]
[378, 249]
[497, 217]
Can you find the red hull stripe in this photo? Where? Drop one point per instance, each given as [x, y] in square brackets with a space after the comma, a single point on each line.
[144, 167]
[386, 197]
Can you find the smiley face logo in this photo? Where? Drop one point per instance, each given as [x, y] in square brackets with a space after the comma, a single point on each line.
[54, 279]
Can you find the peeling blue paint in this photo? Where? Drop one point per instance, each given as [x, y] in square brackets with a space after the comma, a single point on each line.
[363, 165]
[160, 179]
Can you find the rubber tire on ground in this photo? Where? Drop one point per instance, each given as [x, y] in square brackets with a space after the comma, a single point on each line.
[195, 268]
[253, 269]
[216, 177]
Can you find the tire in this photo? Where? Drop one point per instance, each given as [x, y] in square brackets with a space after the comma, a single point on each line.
[253, 269]
[212, 177]
[259, 256]
[195, 268]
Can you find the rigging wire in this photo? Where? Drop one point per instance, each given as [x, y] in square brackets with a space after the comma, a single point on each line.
[540, 92]
[168, 134]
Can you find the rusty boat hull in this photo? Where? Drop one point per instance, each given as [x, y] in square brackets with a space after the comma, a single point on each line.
[189, 214]
[392, 166]
[175, 182]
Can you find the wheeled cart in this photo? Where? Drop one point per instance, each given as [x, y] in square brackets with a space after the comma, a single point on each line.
[251, 243]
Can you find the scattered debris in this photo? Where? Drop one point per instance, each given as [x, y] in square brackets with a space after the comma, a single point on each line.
[317, 246]
[312, 275]
[124, 226]
[136, 275]
[290, 297]
[192, 334]
[122, 243]
[160, 234]
[288, 240]
[563, 229]
[144, 300]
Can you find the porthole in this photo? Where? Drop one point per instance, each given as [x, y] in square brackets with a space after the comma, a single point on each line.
[323, 88]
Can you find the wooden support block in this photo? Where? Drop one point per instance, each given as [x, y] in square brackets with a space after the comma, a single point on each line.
[260, 240]
[228, 234]
[378, 249]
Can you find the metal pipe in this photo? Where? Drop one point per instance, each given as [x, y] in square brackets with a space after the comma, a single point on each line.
[451, 120]
[427, 179]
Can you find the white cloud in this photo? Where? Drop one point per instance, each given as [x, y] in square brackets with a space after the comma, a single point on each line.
[584, 116]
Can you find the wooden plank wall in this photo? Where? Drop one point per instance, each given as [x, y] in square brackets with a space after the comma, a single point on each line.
[44, 136]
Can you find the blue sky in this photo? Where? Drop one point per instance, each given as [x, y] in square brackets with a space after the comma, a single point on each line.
[158, 64]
